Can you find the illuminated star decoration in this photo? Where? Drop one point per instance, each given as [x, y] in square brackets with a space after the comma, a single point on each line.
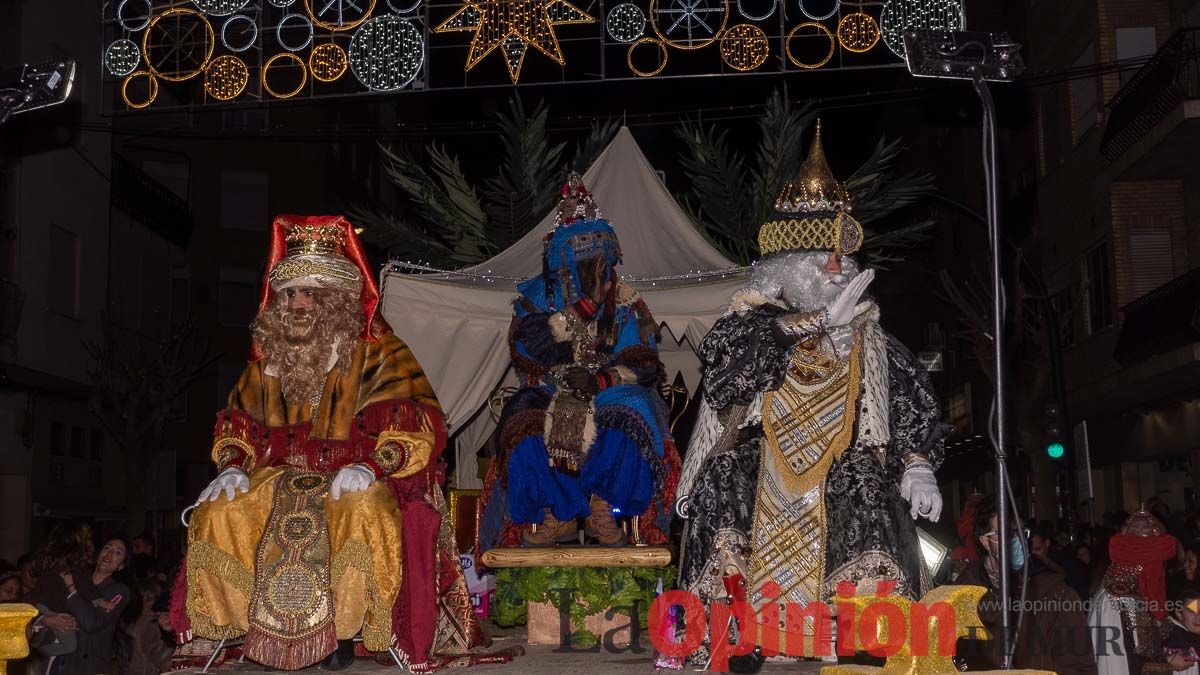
[514, 25]
[693, 17]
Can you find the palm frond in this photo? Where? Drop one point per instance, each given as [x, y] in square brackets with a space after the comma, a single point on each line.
[718, 196]
[780, 151]
[878, 190]
[398, 236]
[589, 147]
[883, 248]
[524, 189]
[460, 200]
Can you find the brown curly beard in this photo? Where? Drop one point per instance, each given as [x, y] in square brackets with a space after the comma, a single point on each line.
[296, 344]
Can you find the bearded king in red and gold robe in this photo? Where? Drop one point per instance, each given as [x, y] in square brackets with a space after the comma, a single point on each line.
[327, 519]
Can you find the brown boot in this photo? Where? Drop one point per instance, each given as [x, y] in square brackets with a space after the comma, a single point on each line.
[602, 526]
[551, 531]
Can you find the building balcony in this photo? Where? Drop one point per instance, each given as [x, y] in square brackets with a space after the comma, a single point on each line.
[1163, 320]
[1152, 127]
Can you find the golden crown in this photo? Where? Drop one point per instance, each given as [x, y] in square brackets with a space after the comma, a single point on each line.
[812, 211]
[325, 239]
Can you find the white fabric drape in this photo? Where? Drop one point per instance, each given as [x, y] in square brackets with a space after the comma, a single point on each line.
[457, 326]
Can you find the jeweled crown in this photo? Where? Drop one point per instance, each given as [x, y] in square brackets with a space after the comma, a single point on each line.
[576, 203]
[324, 239]
[814, 189]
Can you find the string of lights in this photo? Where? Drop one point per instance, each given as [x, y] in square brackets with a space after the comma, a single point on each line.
[699, 276]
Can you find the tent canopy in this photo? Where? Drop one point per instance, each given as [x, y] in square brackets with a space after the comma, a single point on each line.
[457, 323]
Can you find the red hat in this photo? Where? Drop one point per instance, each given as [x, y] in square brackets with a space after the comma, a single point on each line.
[323, 252]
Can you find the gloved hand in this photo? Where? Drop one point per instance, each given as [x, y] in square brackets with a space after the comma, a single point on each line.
[582, 381]
[352, 478]
[842, 310]
[227, 480]
[920, 488]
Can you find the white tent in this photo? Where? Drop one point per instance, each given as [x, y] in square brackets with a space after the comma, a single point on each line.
[457, 323]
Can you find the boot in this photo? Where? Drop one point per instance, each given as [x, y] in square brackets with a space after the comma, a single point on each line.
[602, 526]
[552, 531]
[341, 658]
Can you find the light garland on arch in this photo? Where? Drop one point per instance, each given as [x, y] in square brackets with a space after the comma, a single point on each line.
[121, 15]
[858, 32]
[267, 67]
[698, 276]
[404, 9]
[236, 18]
[662, 49]
[815, 14]
[122, 57]
[689, 15]
[339, 9]
[327, 62]
[151, 94]
[900, 15]
[386, 53]
[220, 7]
[821, 31]
[751, 17]
[210, 41]
[744, 47]
[626, 22]
[226, 77]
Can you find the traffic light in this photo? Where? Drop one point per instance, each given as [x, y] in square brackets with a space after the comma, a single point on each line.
[1055, 448]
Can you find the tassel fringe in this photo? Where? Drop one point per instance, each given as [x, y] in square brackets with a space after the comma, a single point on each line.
[283, 654]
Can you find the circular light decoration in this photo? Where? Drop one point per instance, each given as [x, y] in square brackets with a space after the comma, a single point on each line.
[220, 7]
[744, 47]
[122, 57]
[251, 29]
[327, 62]
[282, 3]
[151, 93]
[812, 30]
[819, 10]
[226, 77]
[303, 23]
[339, 15]
[688, 24]
[145, 18]
[403, 9]
[386, 53]
[174, 32]
[662, 52]
[626, 22]
[900, 15]
[757, 17]
[858, 32]
[267, 68]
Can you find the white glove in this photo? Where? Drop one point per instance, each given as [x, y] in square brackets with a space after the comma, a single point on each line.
[352, 478]
[844, 308]
[920, 488]
[227, 480]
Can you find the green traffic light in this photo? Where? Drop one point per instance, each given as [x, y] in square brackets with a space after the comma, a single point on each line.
[1055, 450]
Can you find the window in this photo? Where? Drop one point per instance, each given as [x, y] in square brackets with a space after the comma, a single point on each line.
[237, 300]
[58, 439]
[1062, 309]
[1084, 98]
[97, 447]
[1097, 282]
[244, 200]
[1150, 258]
[62, 287]
[78, 442]
[1135, 44]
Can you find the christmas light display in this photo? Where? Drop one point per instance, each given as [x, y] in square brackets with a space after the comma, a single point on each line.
[122, 57]
[123, 15]
[900, 15]
[819, 10]
[226, 77]
[339, 15]
[327, 62]
[744, 47]
[249, 35]
[220, 7]
[626, 22]
[688, 24]
[386, 53]
[401, 8]
[305, 26]
[174, 31]
[662, 51]
[151, 94]
[516, 25]
[282, 3]
[267, 69]
[858, 32]
[811, 30]
[757, 17]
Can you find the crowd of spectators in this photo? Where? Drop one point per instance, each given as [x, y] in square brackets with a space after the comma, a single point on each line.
[101, 604]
